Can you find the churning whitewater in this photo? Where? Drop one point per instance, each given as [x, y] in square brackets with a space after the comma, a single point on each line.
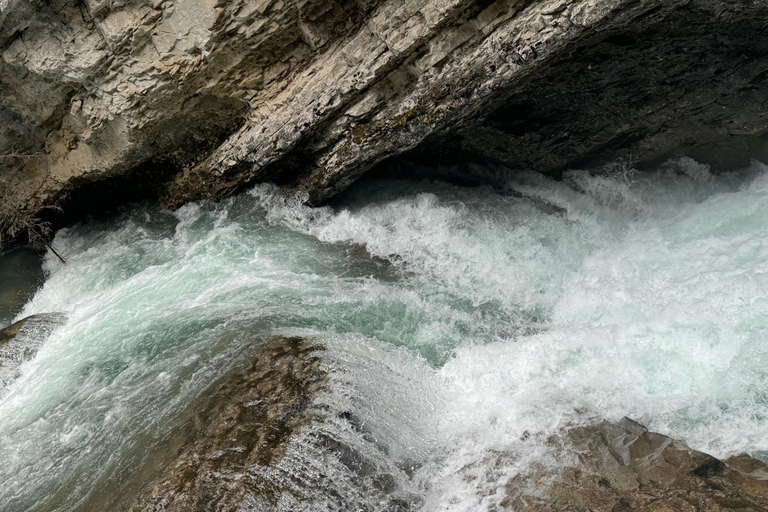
[460, 321]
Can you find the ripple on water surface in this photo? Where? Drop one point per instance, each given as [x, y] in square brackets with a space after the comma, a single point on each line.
[490, 314]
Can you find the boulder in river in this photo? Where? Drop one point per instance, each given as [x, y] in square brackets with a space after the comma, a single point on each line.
[270, 437]
[248, 420]
[274, 436]
[624, 467]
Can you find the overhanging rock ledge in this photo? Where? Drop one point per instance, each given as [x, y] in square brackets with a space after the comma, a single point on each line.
[104, 102]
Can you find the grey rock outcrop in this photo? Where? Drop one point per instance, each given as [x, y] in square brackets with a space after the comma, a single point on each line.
[103, 102]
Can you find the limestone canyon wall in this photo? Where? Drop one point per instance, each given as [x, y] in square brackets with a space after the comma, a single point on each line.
[107, 101]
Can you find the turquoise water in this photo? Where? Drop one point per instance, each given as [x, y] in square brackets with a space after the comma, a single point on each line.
[484, 312]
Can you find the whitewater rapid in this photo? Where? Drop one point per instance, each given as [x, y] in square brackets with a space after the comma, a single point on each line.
[460, 322]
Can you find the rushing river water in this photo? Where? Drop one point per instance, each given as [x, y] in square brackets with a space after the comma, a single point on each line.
[463, 318]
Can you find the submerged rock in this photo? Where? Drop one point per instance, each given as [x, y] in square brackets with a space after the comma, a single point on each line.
[247, 422]
[279, 434]
[624, 467]
[104, 102]
[20, 342]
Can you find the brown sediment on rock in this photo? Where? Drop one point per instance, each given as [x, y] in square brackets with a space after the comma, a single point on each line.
[624, 467]
[248, 420]
[105, 102]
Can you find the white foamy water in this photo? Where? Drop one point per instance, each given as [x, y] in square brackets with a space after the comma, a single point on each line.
[461, 323]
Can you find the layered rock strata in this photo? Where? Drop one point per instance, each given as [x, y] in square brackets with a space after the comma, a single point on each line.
[108, 101]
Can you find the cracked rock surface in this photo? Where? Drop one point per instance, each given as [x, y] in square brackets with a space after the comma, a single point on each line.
[103, 102]
[624, 467]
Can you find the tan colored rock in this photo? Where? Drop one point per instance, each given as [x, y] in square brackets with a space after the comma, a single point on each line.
[104, 102]
[10, 332]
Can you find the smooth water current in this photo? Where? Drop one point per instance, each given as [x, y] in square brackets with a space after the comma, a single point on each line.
[464, 318]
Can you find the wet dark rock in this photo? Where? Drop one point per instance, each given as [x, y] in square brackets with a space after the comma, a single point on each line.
[247, 421]
[625, 467]
[10, 332]
[273, 436]
[21, 274]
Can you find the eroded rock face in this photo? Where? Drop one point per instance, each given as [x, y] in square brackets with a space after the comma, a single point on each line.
[103, 102]
[625, 467]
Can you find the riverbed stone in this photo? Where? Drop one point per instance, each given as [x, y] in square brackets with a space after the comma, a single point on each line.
[248, 421]
[263, 440]
[105, 102]
[10, 332]
[280, 433]
[622, 467]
